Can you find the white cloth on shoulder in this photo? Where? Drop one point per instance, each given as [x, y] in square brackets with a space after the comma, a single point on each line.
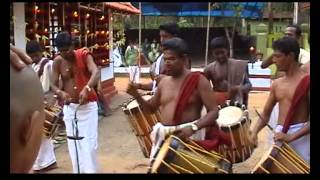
[160, 131]
[45, 78]
[301, 145]
[157, 72]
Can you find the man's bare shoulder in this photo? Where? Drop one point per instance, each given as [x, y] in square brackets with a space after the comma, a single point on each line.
[209, 67]
[277, 82]
[203, 81]
[57, 59]
[164, 80]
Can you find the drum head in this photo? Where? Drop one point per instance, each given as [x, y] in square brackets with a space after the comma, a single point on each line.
[134, 104]
[229, 115]
[164, 153]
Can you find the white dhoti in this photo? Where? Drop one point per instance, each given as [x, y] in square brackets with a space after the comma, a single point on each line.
[160, 131]
[46, 156]
[134, 73]
[273, 121]
[301, 145]
[87, 116]
[274, 116]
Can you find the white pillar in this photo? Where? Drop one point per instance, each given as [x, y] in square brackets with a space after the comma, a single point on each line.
[140, 34]
[19, 26]
[207, 39]
[295, 13]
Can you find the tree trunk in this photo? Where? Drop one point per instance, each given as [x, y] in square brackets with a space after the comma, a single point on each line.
[230, 39]
[270, 18]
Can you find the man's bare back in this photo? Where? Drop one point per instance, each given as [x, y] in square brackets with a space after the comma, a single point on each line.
[284, 89]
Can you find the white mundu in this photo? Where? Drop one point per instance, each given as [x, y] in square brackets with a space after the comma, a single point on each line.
[46, 156]
[87, 116]
[301, 145]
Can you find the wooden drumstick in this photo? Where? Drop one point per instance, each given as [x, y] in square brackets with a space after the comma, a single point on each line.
[262, 118]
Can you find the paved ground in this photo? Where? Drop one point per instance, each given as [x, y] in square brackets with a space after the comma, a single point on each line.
[119, 152]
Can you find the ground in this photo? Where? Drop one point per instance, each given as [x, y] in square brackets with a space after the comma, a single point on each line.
[119, 151]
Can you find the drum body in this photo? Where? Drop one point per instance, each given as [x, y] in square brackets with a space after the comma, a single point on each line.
[281, 158]
[52, 121]
[141, 123]
[234, 120]
[177, 156]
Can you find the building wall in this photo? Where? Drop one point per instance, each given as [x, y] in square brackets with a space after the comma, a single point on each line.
[278, 27]
[19, 25]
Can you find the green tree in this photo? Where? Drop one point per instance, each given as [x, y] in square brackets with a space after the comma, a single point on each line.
[234, 22]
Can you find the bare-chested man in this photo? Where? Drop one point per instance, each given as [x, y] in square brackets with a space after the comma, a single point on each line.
[293, 31]
[286, 53]
[229, 77]
[79, 74]
[180, 97]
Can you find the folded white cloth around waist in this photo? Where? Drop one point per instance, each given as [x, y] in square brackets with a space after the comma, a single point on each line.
[160, 131]
[301, 145]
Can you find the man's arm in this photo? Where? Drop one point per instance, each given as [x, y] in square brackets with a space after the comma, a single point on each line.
[267, 62]
[148, 106]
[246, 85]
[92, 67]
[271, 101]
[146, 87]
[54, 83]
[296, 135]
[208, 99]
[280, 136]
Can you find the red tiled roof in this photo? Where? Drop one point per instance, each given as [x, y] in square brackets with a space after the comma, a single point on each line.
[123, 6]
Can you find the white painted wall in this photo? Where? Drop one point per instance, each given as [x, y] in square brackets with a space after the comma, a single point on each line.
[19, 25]
[108, 72]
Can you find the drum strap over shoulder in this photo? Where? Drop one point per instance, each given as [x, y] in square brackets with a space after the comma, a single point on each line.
[300, 92]
[190, 83]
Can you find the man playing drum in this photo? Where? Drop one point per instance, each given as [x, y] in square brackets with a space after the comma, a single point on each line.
[180, 97]
[228, 76]
[293, 124]
[79, 74]
[230, 81]
[46, 159]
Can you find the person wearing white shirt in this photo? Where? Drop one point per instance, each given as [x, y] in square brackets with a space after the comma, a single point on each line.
[157, 70]
[46, 158]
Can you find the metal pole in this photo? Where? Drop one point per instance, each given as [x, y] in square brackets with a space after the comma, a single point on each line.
[63, 16]
[207, 39]
[139, 35]
[79, 23]
[295, 13]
